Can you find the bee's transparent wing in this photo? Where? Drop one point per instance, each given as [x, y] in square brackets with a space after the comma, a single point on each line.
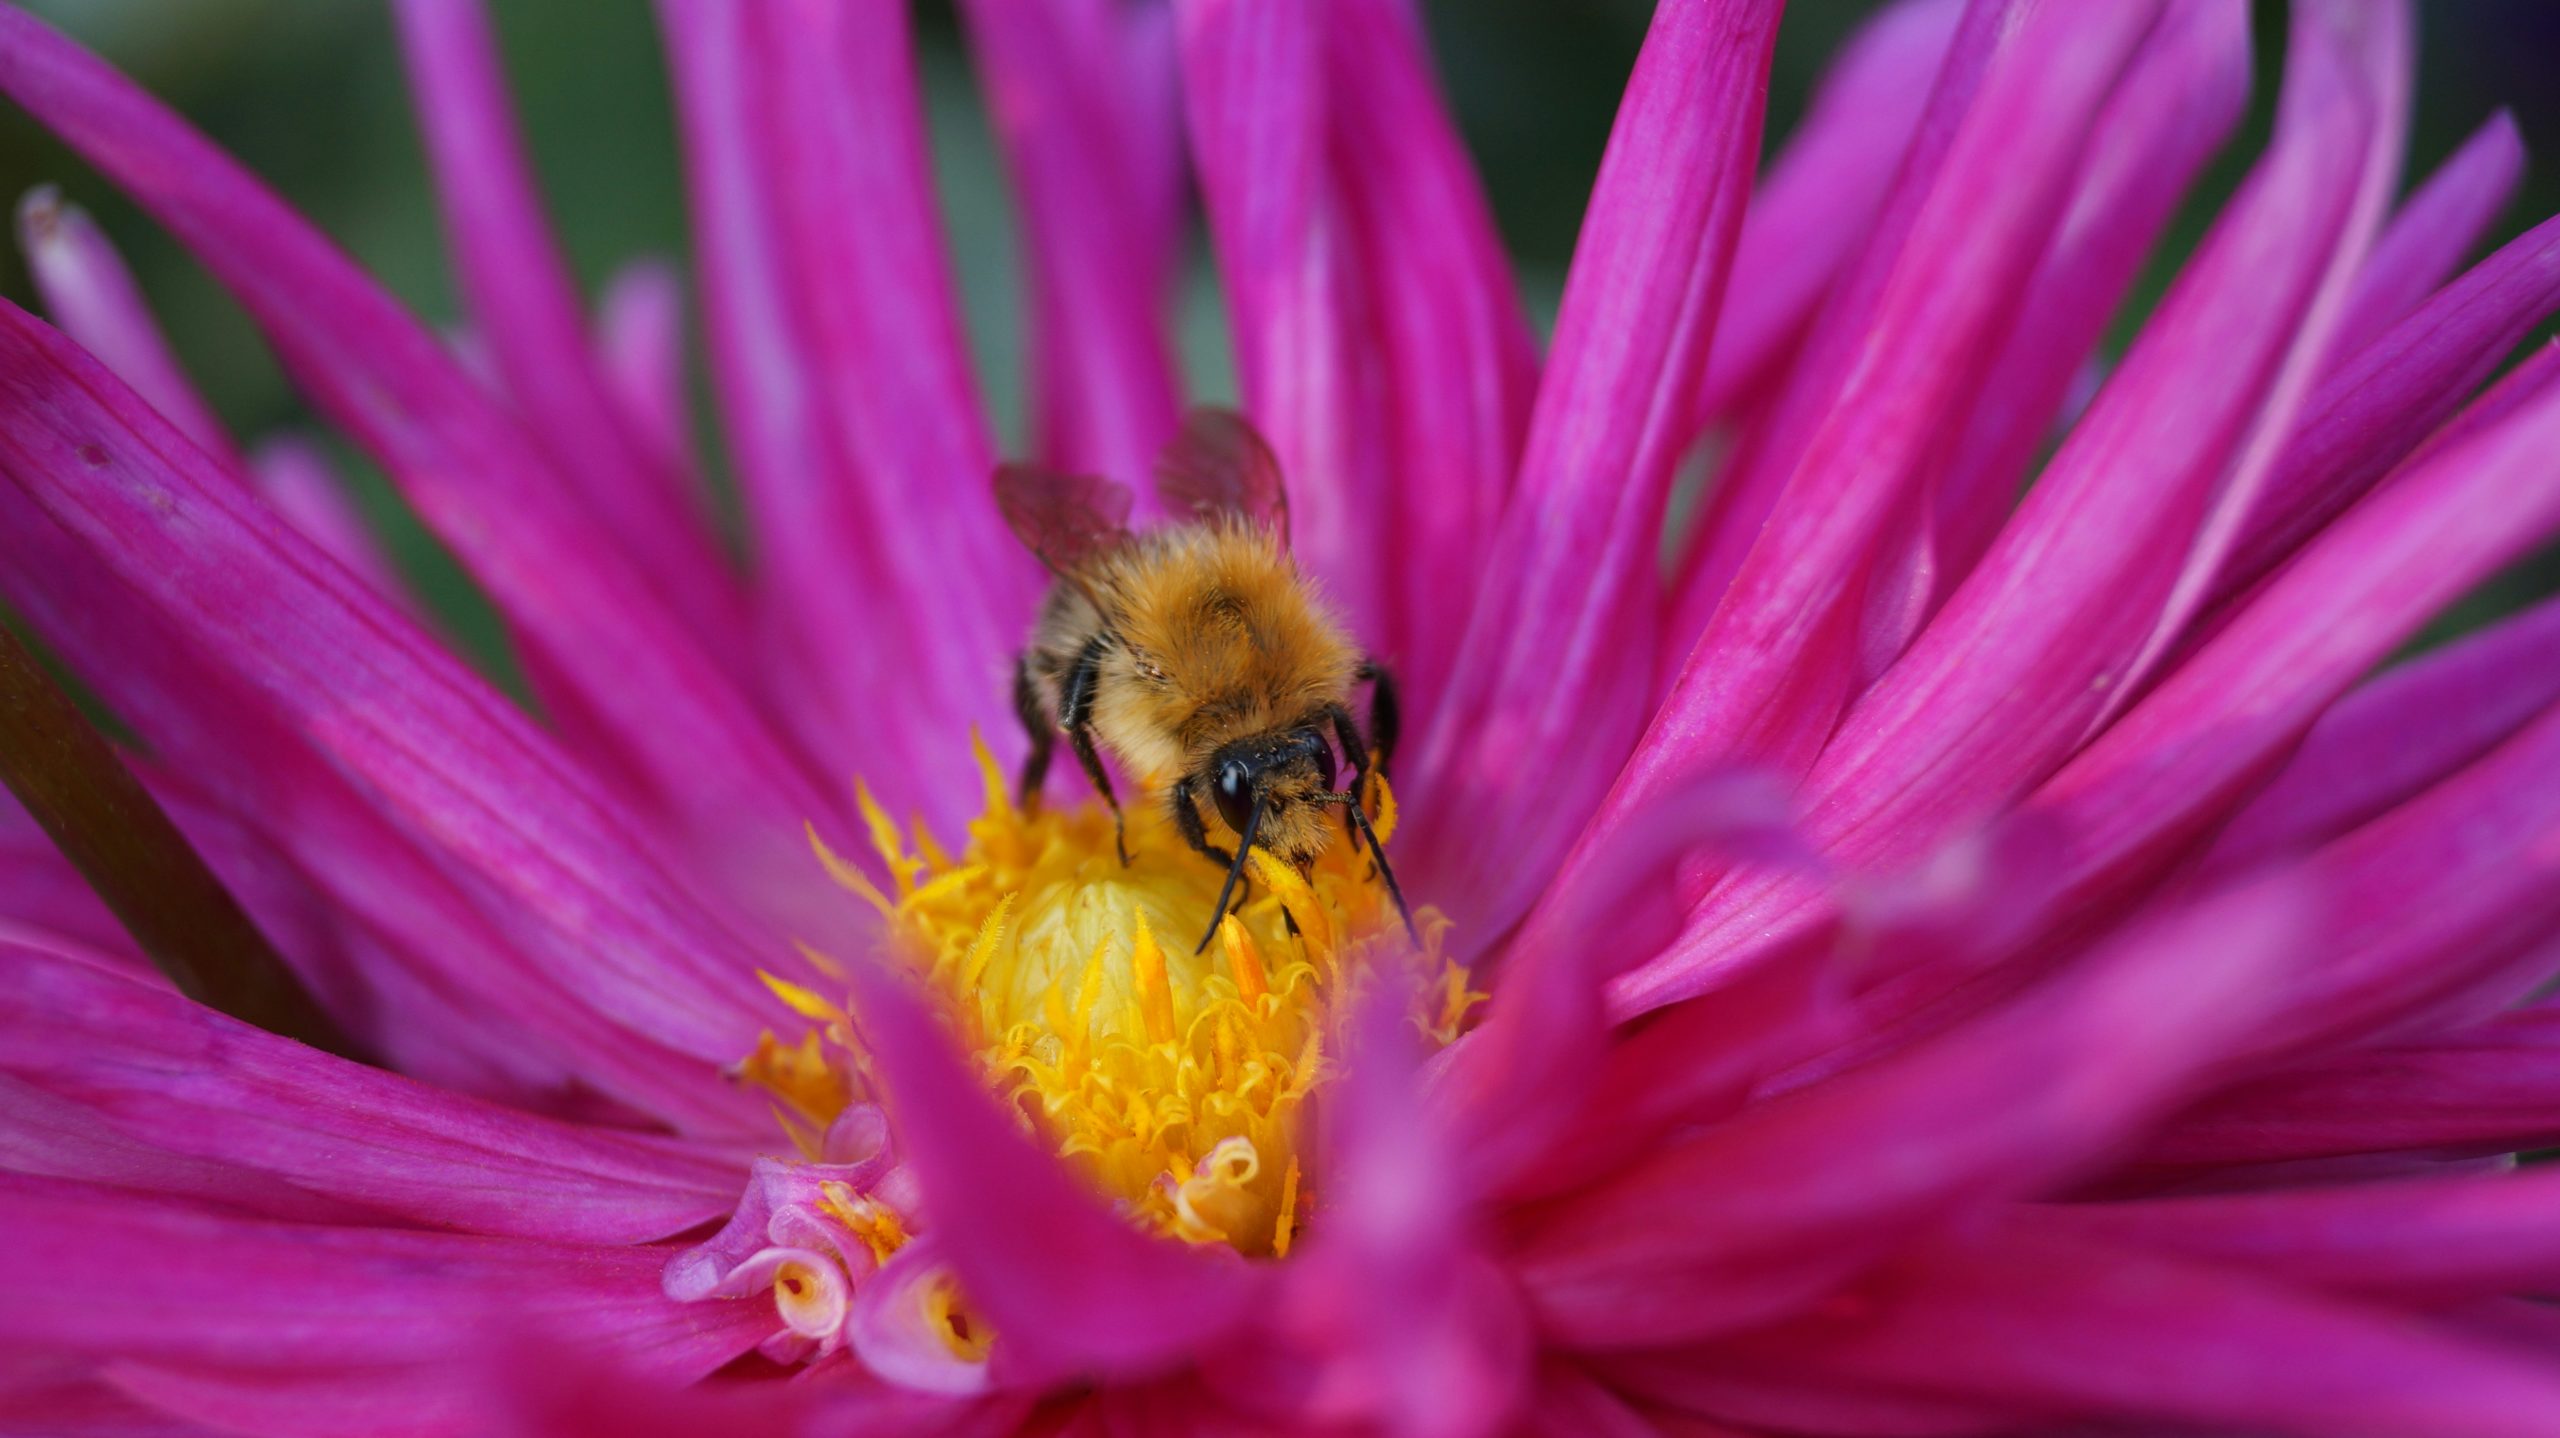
[1065, 519]
[1217, 465]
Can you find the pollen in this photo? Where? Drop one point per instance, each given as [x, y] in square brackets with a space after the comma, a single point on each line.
[1180, 1084]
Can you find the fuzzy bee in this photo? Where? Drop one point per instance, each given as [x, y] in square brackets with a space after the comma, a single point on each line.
[1197, 654]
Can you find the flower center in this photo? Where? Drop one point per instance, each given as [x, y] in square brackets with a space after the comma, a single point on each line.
[1175, 1081]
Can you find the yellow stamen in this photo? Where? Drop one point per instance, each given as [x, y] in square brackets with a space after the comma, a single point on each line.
[1177, 1082]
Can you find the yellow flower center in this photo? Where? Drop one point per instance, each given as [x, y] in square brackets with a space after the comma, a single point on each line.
[1177, 1082]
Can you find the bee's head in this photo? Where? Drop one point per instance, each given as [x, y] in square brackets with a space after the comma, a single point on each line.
[1287, 770]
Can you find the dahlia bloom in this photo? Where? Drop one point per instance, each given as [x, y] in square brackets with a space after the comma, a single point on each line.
[1893, 956]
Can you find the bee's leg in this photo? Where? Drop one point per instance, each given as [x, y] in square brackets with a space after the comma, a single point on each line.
[1356, 750]
[1386, 719]
[1187, 823]
[1036, 723]
[1075, 714]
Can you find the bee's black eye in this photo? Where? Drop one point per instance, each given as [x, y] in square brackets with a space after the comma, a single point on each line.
[1324, 764]
[1234, 795]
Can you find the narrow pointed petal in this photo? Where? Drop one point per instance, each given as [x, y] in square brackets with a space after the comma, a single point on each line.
[2220, 722]
[2064, 601]
[1104, 391]
[595, 626]
[1557, 658]
[2490, 1090]
[1070, 1287]
[2434, 1240]
[526, 832]
[1254, 89]
[222, 1294]
[1754, 1216]
[1452, 342]
[176, 1078]
[523, 304]
[2085, 1331]
[1811, 210]
[299, 481]
[91, 296]
[886, 352]
[1767, 680]
[2432, 231]
[2177, 105]
[2376, 408]
[2398, 734]
[640, 348]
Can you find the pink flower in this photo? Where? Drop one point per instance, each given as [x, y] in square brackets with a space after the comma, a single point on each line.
[1956, 963]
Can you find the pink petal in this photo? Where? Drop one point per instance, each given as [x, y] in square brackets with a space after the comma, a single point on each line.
[2175, 107]
[227, 1294]
[1104, 391]
[1071, 1288]
[2495, 1089]
[598, 631]
[1811, 210]
[2433, 1240]
[1556, 662]
[1753, 1216]
[844, 382]
[639, 344]
[2431, 231]
[508, 815]
[1451, 343]
[2374, 410]
[2083, 1331]
[2398, 734]
[92, 297]
[299, 481]
[1767, 681]
[2217, 725]
[895, 1337]
[1255, 91]
[177, 1078]
[524, 305]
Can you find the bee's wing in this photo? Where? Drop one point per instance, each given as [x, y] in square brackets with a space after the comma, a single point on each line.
[1217, 465]
[1065, 519]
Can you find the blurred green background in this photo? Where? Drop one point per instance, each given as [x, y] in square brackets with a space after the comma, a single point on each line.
[310, 94]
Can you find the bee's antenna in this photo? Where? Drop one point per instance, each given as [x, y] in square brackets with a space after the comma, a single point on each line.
[1235, 871]
[1378, 852]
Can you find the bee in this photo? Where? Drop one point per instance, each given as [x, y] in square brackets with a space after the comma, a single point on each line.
[1197, 655]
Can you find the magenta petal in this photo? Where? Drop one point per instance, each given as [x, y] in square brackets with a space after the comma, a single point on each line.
[2431, 232]
[1753, 1216]
[2397, 734]
[1071, 1287]
[2078, 1330]
[1254, 89]
[2374, 409]
[2217, 724]
[228, 1294]
[457, 766]
[2178, 102]
[299, 481]
[173, 1076]
[2432, 1240]
[2061, 606]
[1452, 345]
[1812, 208]
[524, 306]
[597, 628]
[640, 347]
[2494, 1089]
[1557, 659]
[1099, 251]
[92, 297]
